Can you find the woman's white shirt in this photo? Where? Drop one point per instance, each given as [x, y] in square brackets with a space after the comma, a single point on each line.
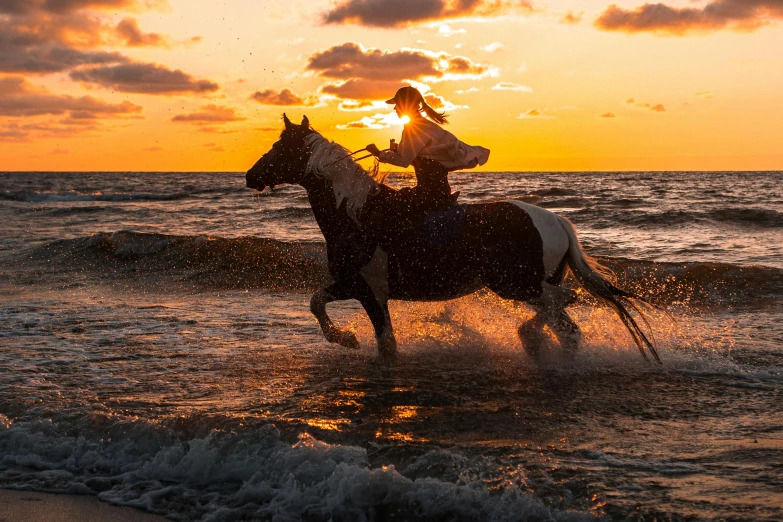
[426, 139]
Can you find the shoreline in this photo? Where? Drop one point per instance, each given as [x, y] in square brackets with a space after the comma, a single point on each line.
[32, 506]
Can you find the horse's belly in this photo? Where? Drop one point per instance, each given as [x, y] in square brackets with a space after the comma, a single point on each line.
[432, 278]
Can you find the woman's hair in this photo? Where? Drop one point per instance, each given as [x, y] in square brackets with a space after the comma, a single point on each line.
[411, 99]
[437, 117]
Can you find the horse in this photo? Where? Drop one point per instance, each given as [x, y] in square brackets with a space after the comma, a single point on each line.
[518, 251]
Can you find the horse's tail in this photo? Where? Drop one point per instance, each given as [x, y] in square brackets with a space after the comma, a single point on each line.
[598, 280]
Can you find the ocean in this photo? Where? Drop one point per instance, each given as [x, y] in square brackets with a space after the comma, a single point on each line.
[157, 351]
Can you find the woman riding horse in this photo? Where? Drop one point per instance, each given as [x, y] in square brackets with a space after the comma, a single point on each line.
[519, 251]
[432, 150]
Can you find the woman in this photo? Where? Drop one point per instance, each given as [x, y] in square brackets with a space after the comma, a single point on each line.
[432, 150]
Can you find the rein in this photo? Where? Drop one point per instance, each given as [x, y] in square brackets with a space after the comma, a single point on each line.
[351, 154]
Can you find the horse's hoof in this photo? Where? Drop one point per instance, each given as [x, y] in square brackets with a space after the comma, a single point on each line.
[387, 350]
[531, 337]
[347, 339]
[386, 357]
[344, 338]
[569, 336]
[570, 343]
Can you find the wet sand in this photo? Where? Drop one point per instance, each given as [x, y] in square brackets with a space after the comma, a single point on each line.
[30, 506]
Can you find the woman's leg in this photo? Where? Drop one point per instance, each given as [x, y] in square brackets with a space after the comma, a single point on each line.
[432, 190]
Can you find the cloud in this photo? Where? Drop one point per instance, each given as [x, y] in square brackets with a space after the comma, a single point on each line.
[397, 13]
[376, 121]
[572, 17]
[491, 48]
[144, 78]
[16, 132]
[53, 36]
[658, 107]
[440, 104]
[35, 29]
[715, 15]
[20, 98]
[465, 91]
[349, 105]
[284, 97]
[447, 31]
[35, 47]
[510, 86]
[376, 74]
[352, 60]
[17, 7]
[153, 149]
[362, 89]
[211, 114]
[535, 114]
[608, 115]
[128, 30]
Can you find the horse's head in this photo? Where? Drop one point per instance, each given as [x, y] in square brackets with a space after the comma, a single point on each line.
[286, 161]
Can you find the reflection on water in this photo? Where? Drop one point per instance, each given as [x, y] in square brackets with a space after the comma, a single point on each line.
[129, 371]
[606, 427]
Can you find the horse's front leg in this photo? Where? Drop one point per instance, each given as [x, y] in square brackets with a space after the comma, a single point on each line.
[333, 292]
[372, 291]
[378, 312]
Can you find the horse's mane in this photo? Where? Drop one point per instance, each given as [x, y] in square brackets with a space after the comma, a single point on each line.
[350, 182]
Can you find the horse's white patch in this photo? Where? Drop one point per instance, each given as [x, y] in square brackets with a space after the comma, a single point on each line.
[376, 273]
[350, 182]
[553, 237]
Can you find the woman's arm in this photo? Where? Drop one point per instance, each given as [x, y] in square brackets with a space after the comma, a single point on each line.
[411, 143]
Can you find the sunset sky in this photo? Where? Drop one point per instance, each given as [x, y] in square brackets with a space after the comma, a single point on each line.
[181, 85]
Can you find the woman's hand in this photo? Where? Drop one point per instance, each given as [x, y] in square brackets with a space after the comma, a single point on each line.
[373, 149]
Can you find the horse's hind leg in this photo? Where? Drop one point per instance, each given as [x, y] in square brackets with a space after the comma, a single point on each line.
[551, 305]
[555, 299]
[333, 292]
[566, 331]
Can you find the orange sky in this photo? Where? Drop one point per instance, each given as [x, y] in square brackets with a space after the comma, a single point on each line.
[180, 85]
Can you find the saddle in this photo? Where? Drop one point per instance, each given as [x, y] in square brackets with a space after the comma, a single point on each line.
[440, 229]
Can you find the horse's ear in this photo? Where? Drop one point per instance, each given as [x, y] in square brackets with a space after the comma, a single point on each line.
[287, 122]
[305, 122]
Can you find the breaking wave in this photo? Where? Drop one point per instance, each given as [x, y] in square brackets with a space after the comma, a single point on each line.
[243, 474]
[251, 262]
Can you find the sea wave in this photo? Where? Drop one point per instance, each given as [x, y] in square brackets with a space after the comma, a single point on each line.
[251, 262]
[758, 217]
[245, 474]
[199, 261]
[74, 196]
[699, 284]
[752, 218]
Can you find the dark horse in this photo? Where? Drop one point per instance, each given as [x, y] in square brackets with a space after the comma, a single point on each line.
[519, 251]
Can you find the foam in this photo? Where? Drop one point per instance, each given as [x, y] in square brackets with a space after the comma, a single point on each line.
[480, 329]
[226, 476]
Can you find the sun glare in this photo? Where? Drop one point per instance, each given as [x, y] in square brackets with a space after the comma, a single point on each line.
[405, 119]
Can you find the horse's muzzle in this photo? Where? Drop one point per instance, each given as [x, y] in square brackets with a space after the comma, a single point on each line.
[252, 181]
